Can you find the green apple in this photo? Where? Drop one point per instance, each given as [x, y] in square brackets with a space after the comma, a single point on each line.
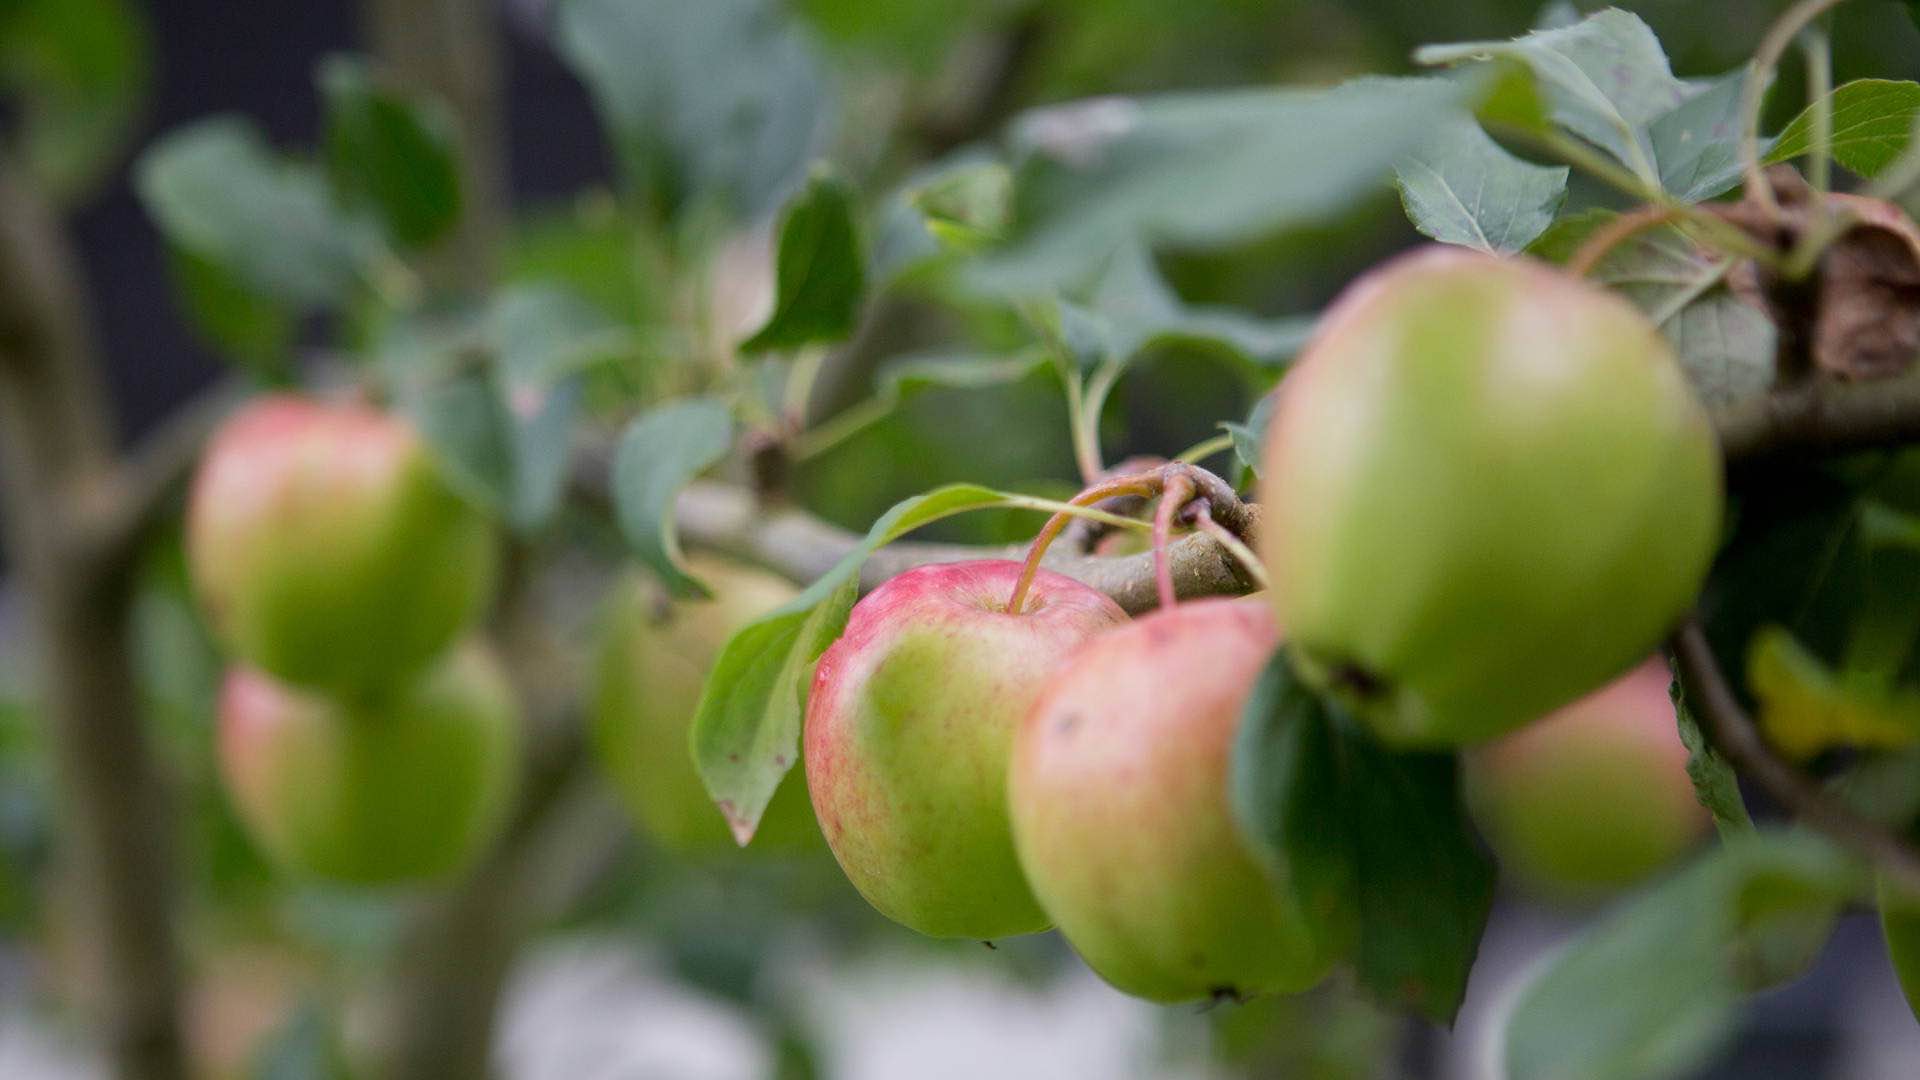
[1488, 490]
[1592, 798]
[1118, 791]
[651, 666]
[327, 548]
[908, 729]
[408, 787]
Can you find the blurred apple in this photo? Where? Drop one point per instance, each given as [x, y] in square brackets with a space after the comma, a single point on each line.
[651, 665]
[1593, 797]
[408, 787]
[327, 548]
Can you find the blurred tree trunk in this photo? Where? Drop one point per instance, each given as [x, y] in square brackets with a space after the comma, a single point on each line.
[63, 507]
[450, 49]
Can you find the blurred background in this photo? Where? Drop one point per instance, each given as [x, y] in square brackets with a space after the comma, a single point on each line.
[645, 961]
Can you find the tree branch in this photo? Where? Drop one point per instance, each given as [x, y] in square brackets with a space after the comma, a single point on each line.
[801, 547]
[1733, 731]
[55, 457]
[1821, 415]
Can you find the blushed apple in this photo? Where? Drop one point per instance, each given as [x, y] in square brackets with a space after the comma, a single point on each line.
[1118, 790]
[327, 548]
[1593, 797]
[407, 788]
[908, 729]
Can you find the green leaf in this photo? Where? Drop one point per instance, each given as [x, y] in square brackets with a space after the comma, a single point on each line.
[746, 734]
[75, 73]
[1563, 238]
[545, 337]
[820, 272]
[1288, 797]
[967, 207]
[1724, 343]
[388, 155]
[1200, 170]
[217, 190]
[1357, 832]
[231, 317]
[660, 451]
[1138, 311]
[1462, 188]
[1807, 707]
[1650, 991]
[1605, 79]
[1250, 437]
[462, 417]
[1697, 142]
[703, 100]
[1873, 120]
[1715, 785]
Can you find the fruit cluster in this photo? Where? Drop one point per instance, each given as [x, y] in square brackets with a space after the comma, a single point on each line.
[1488, 491]
[364, 735]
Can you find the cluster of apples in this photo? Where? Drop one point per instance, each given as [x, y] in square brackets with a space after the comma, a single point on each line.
[1488, 491]
[365, 735]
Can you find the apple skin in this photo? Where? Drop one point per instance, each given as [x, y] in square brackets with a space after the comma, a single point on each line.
[1593, 797]
[1488, 491]
[327, 548]
[1118, 791]
[408, 789]
[908, 729]
[651, 666]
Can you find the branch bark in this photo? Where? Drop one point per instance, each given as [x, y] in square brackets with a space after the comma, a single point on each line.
[1823, 416]
[1734, 732]
[54, 489]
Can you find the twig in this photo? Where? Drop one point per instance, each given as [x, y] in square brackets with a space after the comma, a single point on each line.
[1765, 59]
[1733, 731]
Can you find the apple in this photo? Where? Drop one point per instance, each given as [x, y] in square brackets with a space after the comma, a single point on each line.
[1592, 798]
[651, 665]
[908, 729]
[1488, 490]
[1118, 791]
[406, 788]
[327, 548]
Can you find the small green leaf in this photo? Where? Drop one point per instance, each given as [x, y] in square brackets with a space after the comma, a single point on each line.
[233, 318]
[1248, 438]
[967, 207]
[463, 419]
[1463, 188]
[1563, 238]
[746, 734]
[659, 453]
[389, 155]
[1650, 991]
[545, 337]
[820, 272]
[1697, 142]
[218, 191]
[1873, 120]
[75, 73]
[1715, 785]
[1605, 79]
[1806, 707]
[1373, 843]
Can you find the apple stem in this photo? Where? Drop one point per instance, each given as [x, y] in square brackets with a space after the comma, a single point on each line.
[1145, 484]
[1202, 514]
[1175, 493]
